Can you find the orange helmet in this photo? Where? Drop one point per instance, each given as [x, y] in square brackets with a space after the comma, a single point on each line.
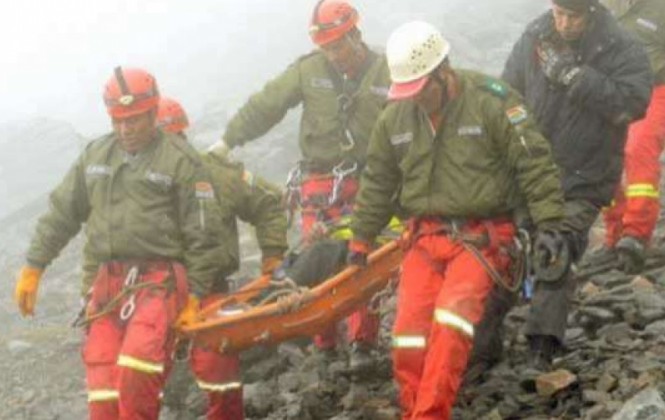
[130, 92]
[331, 20]
[171, 116]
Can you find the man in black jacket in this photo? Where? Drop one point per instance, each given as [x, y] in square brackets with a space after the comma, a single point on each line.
[585, 80]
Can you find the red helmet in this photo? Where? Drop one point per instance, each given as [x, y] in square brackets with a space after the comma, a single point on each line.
[130, 92]
[331, 20]
[171, 116]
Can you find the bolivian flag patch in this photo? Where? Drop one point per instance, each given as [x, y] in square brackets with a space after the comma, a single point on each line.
[248, 177]
[204, 191]
[517, 114]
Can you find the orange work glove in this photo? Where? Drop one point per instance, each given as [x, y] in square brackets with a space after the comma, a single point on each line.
[270, 264]
[26, 289]
[190, 313]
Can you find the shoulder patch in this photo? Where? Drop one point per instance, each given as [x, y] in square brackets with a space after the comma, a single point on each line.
[248, 178]
[204, 191]
[495, 87]
[517, 114]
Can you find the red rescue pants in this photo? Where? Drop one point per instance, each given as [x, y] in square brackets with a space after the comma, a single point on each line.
[127, 358]
[636, 204]
[315, 191]
[218, 375]
[441, 297]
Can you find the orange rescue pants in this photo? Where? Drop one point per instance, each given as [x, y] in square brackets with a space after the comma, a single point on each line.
[441, 297]
[316, 190]
[127, 358]
[636, 204]
[218, 375]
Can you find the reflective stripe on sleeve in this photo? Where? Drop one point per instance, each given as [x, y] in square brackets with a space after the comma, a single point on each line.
[409, 342]
[221, 388]
[642, 190]
[102, 395]
[453, 320]
[140, 365]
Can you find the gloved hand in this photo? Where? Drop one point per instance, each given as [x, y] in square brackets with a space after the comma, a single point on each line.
[552, 254]
[26, 289]
[190, 313]
[219, 149]
[559, 65]
[270, 264]
[630, 252]
[358, 252]
[548, 246]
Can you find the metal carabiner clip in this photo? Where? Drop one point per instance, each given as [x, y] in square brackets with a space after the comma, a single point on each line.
[344, 103]
[129, 307]
[340, 173]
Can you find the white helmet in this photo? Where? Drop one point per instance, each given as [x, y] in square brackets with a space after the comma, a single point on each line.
[414, 50]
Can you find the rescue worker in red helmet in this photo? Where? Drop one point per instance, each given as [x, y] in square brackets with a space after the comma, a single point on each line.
[631, 219]
[244, 196]
[457, 149]
[342, 87]
[152, 231]
[171, 117]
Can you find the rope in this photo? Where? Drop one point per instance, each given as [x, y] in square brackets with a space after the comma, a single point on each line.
[113, 303]
[494, 275]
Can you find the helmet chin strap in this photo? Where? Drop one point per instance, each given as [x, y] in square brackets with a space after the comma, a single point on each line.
[443, 84]
[124, 89]
[359, 50]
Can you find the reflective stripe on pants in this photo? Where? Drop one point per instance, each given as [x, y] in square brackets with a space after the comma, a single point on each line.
[127, 361]
[218, 375]
[636, 204]
[436, 312]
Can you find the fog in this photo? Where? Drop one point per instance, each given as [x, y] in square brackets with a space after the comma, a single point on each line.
[57, 55]
[209, 54]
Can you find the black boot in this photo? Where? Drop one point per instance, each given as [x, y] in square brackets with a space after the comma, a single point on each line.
[539, 359]
[360, 358]
[541, 352]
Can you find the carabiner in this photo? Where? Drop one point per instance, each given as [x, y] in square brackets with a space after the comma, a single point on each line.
[340, 174]
[129, 307]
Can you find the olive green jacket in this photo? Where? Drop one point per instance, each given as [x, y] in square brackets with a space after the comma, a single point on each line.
[336, 112]
[253, 200]
[157, 204]
[486, 158]
[645, 19]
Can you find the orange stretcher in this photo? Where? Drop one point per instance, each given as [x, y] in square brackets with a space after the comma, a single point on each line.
[298, 315]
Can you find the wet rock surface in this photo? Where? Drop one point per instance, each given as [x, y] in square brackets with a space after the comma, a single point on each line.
[613, 366]
[615, 350]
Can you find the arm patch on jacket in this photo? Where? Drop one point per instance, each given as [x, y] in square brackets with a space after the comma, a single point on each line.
[496, 88]
[517, 114]
[204, 191]
[248, 178]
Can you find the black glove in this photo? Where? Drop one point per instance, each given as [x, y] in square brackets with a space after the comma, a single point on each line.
[558, 64]
[358, 252]
[631, 254]
[547, 246]
[551, 253]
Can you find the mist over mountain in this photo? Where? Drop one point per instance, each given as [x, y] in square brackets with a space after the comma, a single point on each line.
[210, 55]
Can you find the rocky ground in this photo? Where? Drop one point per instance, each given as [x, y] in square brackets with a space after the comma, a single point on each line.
[613, 366]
